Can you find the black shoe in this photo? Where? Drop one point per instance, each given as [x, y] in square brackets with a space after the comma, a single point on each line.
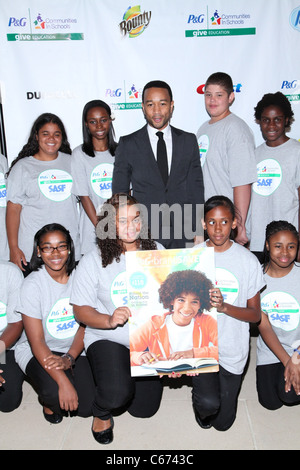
[203, 423]
[106, 436]
[54, 418]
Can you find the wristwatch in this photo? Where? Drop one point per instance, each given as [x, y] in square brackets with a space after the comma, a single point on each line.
[71, 359]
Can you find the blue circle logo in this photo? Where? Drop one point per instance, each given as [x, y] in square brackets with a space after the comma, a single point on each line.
[295, 19]
[138, 280]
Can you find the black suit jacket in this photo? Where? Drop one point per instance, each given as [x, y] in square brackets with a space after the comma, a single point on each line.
[135, 166]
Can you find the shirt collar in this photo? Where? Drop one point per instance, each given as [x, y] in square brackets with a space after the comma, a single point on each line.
[152, 131]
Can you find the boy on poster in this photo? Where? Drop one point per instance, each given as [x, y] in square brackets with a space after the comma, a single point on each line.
[172, 326]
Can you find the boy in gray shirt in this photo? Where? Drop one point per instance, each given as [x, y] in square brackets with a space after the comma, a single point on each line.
[226, 150]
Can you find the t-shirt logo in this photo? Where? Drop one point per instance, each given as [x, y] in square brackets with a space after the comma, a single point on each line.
[282, 310]
[203, 142]
[228, 285]
[60, 322]
[101, 178]
[3, 316]
[55, 184]
[118, 290]
[2, 190]
[269, 176]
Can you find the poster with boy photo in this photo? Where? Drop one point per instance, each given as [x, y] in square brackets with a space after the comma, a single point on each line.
[172, 327]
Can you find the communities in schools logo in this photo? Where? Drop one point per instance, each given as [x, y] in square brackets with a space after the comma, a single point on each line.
[128, 96]
[134, 22]
[42, 27]
[291, 89]
[216, 23]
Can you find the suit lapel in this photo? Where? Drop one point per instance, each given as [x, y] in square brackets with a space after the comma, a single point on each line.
[176, 152]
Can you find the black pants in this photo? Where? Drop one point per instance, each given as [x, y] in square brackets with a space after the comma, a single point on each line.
[270, 387]
[215, 396]
[47, 389]
[11, 392]
[116, 390]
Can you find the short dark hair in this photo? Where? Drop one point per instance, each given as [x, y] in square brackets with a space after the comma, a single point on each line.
[157, 84]
[275, 99]
[188, 281]
[222, 79]
[36, 262]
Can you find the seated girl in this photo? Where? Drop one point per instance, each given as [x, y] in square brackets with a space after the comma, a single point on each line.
[50, 353]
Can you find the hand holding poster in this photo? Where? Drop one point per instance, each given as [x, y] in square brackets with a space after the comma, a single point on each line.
[172, 325]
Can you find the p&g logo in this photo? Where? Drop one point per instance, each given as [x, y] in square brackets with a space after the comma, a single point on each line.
[15, 22]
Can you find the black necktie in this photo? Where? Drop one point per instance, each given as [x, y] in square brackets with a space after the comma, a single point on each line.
[162, 160]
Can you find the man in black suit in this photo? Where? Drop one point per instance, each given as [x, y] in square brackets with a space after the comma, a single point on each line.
[171, 195]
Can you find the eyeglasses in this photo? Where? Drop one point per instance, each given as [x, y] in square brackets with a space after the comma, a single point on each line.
[50, 249]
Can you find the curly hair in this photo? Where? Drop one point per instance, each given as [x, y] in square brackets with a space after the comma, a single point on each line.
[188, 281]
[31, 148]
[272, 228]
[275, 99]
[87, 145]
[110, 245]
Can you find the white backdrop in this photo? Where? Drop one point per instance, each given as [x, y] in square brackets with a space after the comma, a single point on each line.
[56, 55]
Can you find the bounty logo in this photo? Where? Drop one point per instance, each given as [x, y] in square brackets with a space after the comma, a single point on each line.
[295, 19]
[134, 22]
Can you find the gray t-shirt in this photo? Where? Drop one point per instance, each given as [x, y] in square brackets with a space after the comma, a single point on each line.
[92, 177]
[239, 276]
[4, 253]
[281, 303]
[275, 194]
[104, 289]
[43, 189]
[226, 155]
[43, 298]
[11, 279]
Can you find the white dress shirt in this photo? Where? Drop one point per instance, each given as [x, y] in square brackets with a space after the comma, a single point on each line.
[168, 139]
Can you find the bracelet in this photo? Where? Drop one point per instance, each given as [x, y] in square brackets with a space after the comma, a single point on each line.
[297, 351]
[71, 359]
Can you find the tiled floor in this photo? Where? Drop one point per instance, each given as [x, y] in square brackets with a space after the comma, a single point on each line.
[172, 428]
